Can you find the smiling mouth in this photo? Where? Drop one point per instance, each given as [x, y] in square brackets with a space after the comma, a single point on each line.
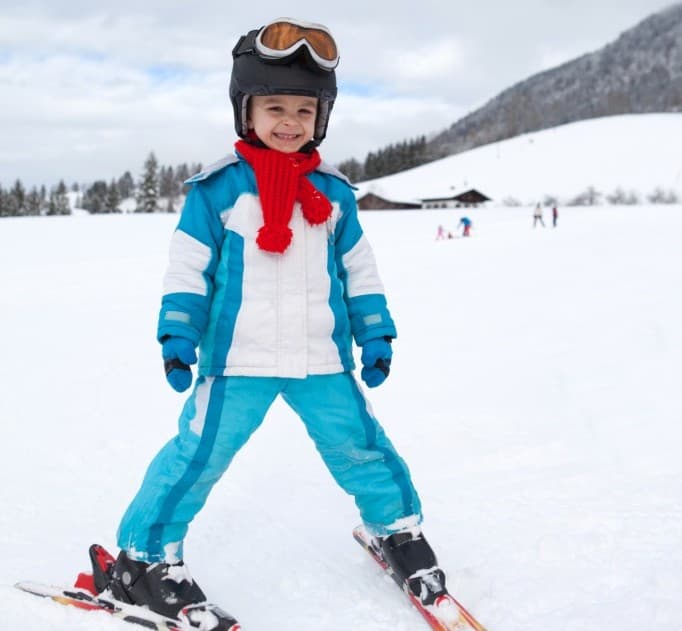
[282, 136]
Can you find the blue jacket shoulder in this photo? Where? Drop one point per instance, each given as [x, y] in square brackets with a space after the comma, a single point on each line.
[333, 171]
[212, 169]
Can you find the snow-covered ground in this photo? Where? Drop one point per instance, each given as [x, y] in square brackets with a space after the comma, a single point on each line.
[535, 394]
[631, 152]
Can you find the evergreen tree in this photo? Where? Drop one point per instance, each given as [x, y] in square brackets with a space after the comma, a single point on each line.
[352, 169]
[148, 194]
[34, 204]
[126, 185]
[94, 198]
[371, 169]
[392, 158]
[167, 186]
[181, 174]
[10, 206]
[163, 183]
[113, 199]
[59, 202]
[18, 194]
[63, 206]
[52, 204]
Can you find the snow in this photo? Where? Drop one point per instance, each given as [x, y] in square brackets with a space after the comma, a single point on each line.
[632, 152]
[534, 393]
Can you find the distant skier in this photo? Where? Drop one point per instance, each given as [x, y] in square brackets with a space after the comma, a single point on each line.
[271, 275]
[537, 216]
[555, 216]
[466, 224]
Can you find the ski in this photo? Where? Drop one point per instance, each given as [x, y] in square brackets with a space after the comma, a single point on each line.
[89, 602]
[90, 593]
[446, 613]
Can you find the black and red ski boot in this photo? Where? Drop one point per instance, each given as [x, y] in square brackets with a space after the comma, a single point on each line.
[167, 589]
[164, 588]
[414, 562]
[102, 566]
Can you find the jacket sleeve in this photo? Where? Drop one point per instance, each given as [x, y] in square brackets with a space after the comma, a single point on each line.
[357, 269]
[193, 258]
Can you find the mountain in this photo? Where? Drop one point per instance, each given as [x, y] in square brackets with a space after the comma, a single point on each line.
[640, 72]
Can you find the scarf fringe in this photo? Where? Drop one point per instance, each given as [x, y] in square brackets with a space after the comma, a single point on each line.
[274, 238]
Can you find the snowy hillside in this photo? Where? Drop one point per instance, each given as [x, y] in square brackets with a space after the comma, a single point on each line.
[535, 395]
[640, 71]
[632, 152]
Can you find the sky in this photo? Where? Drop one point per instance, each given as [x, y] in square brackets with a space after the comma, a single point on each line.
[89, 89]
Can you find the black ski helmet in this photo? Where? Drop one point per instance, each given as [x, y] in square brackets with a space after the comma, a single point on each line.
[254, 74]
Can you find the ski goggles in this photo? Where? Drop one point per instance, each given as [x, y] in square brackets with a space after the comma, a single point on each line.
[285, 37]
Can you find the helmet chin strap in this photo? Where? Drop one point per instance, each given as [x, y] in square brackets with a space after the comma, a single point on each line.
[309, 146]
[254, 140]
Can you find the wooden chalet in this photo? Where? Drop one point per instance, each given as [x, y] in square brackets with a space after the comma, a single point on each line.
[468, 199]
[371, 201]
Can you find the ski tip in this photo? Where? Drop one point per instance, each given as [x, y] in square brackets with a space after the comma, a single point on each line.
[35, 588]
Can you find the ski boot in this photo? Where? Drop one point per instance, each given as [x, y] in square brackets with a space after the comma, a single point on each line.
[164, 588]
[414, 562]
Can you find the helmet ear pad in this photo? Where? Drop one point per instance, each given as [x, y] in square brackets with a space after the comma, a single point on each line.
[253, 76]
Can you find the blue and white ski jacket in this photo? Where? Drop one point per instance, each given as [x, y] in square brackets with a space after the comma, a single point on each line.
[259, 313]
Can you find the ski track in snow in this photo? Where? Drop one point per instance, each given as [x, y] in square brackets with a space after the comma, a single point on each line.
[535, 395]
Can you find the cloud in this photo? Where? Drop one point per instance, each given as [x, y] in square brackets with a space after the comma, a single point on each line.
[431, 62]
[88, 89]
[364, 123]
[135, 38]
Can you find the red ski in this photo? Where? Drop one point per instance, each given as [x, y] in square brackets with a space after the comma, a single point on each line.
[82, 599]
[90, 593]
[446, 613]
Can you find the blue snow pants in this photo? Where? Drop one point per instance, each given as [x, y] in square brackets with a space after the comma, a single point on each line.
[218, 419]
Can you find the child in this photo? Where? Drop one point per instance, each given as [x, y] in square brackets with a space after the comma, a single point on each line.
[270, 276]
[465, 222]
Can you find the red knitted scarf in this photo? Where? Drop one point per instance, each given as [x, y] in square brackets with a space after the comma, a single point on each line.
[281, 181]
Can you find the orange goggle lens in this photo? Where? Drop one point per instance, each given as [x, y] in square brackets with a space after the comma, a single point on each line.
[282, 38]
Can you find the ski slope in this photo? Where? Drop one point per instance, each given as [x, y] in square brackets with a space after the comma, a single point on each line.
[535, 395]
[632, 152]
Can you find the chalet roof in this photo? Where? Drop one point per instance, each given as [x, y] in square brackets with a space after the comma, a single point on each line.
[472, 196]
[371, 200]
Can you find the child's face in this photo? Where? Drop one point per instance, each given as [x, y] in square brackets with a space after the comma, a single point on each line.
[284, 122]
